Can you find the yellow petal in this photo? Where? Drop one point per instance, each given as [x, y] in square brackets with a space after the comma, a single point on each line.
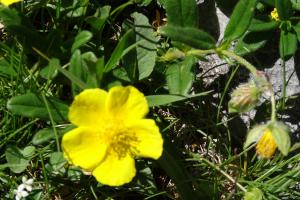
[114, 171]
[127, 103]
[266, 146]
[8, 2]
[88, 108]
[150, 142]
[83, 147]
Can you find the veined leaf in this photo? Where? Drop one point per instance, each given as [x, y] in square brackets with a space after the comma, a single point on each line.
[182, 13]
[240, 19]
[193, 37]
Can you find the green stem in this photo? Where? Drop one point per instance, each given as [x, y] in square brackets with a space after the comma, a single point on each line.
[283, 96]
[223, 173]
[240, 60]
[52, 121]
[273, 106]
[199, 52]
[121, 7]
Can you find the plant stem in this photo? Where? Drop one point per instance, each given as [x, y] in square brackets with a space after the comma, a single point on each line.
[273, 106]
[240, 60]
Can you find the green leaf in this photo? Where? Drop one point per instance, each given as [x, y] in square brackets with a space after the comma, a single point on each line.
[140, 61]
[97, 22]
[17, 159]
[240, 19]
[296, 29]
[43, 136]
[258, 25]
[284, 9]
[287, 44]
[81, 39]
[32, 105]
[179, 76]
[280, 132]
[182, 13]
[251, 42]
[253, 194]
[165, 99]
[193, 37]
[57, 160]
[255, 134]
[49, 72]
[118, 52]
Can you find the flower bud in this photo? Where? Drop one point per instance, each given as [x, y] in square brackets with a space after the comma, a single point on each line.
[244, 98]
[268, 138]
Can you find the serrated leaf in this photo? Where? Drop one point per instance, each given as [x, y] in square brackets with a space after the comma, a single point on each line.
[240, 19]
[193, 37]
[182, 13]
[32, 105]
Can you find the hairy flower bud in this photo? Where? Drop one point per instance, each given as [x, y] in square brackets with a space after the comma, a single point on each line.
[244, 98]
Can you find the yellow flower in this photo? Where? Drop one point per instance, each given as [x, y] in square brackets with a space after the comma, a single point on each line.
[111, 131]
[8, 2]
[274, 15]
[266, 146]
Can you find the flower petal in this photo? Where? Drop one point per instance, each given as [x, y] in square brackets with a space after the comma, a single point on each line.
[114, 171]
[88, 108]
[8, 2]
[127, 103]
[150, 140]
[83, 147]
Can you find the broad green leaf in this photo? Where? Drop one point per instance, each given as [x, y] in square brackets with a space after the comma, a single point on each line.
[81, 39]
[143, 2]
[78, 69]
[287, 44]
[118, 52]
[50, 71]
[140, 61]
[182, 13]
[255, 134]
[240, 19]
[258, 25]
[57, 160]
[98, 21]
[79, 8]
[253, 194]
[251, 42]
[284, 9]
[280, 132]
[179, 76]
[18, 159]
[193, 37]
[32, 105]
[165, 99]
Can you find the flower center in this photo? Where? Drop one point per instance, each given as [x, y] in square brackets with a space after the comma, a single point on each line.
[122, 141]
